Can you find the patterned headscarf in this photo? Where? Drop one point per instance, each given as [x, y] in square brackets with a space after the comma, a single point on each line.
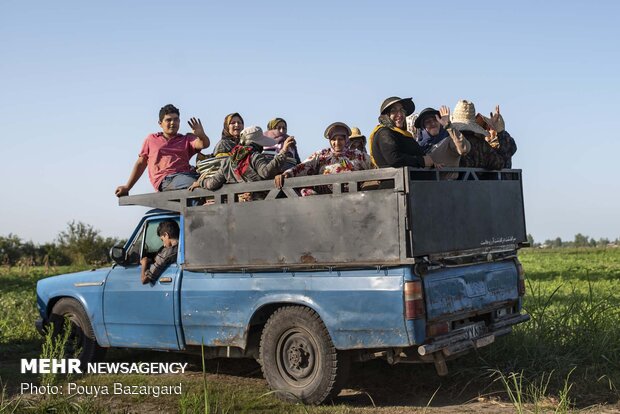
[227, 120]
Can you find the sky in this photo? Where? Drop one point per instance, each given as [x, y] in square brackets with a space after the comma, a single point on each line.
[82, 84]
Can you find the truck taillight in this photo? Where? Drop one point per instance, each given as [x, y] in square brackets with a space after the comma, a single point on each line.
[521, 282]
[414, 301]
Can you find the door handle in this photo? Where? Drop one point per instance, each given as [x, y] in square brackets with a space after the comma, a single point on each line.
[166, 279]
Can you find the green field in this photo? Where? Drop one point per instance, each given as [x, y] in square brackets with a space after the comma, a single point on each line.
[567, 358]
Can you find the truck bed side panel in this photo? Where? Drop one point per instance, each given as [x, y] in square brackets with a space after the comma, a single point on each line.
[360, 308]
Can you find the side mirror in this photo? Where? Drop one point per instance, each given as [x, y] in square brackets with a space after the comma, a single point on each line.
[118, 255]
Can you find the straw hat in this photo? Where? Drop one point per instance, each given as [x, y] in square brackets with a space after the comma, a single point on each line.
[356, 133]
[464, 118]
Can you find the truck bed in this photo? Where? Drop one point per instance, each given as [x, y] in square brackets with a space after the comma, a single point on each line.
[383, 217]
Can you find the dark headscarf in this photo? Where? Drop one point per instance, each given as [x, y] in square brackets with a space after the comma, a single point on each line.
[426, 141]
[227, 120]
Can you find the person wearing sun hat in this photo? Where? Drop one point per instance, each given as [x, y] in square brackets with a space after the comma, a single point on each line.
[439, 139]
[246, 161]
[481, 154]
[336, 159]
[357, 140]
[391, 145]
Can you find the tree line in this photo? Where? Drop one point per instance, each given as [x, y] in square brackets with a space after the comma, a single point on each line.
[78, 244]
[82, 244]
[580, 240]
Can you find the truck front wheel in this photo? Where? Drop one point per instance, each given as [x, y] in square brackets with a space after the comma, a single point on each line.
[81, 342]
[298, 358]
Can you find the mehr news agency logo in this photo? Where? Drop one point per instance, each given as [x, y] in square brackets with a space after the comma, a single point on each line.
[73, 366]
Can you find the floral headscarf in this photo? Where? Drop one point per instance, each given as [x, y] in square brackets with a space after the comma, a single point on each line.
[240, 158]
[227, 120]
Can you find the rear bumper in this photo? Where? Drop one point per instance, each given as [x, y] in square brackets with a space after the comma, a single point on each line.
[460, 341]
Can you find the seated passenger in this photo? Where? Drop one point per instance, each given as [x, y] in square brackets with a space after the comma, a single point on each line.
[278, 130]
[498, 138]
[167, 154]
[390, 144]
[439, 139]
[246, 162]
[481, 154]
[338, 158]
[357, 141]
[233, 125]
[168, 232]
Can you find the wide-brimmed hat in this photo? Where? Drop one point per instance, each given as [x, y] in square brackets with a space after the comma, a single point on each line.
[423, 114]
[254, 135]
[499, 124]
[356, 134]
[464, 118]
[407, 103]
[330, 127]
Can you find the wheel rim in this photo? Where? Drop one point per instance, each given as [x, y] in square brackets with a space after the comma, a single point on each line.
[297, 358]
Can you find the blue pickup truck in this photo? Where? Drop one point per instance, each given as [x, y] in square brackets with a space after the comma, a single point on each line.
[399, 264]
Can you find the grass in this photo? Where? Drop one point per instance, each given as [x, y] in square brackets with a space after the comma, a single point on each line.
[566, 358]
[573, 298]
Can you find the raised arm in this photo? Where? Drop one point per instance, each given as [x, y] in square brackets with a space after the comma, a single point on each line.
[267, 169]
[202, 140]
[459, 142]
[136, 173]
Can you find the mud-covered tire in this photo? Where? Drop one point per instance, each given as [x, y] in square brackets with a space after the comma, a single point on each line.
[298, 358]
[82, 343]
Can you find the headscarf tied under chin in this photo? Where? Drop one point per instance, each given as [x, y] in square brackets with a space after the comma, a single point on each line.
[385, 122]
[240, 157]
[227, 120]
[274, 122]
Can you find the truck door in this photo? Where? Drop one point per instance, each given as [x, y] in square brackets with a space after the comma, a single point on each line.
[137, 315]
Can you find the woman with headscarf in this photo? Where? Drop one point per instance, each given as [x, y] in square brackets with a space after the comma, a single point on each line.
[338, 158]
[278, 130]
[246, 161]
[391, 145]
[233, 125]
[438, 138]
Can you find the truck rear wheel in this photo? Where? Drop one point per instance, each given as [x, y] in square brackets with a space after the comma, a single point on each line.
[81, 342]
[298, 358]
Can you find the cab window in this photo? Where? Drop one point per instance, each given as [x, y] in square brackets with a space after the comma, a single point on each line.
[147, 242]
[152, 242]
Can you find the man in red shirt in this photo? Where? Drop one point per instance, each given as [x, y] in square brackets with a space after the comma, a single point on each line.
[167, 154]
